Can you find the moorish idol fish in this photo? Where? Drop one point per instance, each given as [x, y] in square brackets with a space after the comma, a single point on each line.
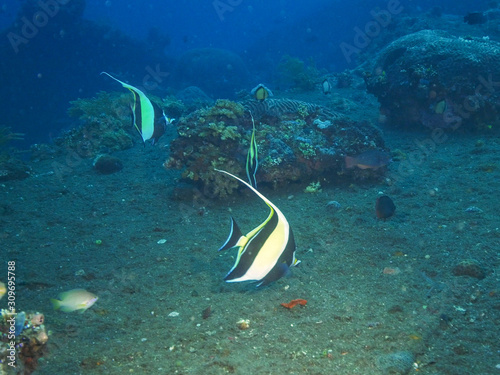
[149, 119]
[261, 92]
[326, 86]
[267, 252]
[252, 157]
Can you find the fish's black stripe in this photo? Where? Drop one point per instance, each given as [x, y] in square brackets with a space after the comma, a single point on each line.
[252, 248]
[138, 112]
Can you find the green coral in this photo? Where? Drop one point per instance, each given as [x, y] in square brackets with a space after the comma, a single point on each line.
[105, 124]
[173, 108]
[313, 187]
[220, 130]
[117, 140]
[302, 111]
[224, 108]
[307, 150]
[104, 104]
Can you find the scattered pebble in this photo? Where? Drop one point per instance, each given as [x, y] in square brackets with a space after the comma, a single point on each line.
[243, 324]
[473, 209]
[433, 192]
[469, 267]
[334, 204]
[391, 271]
[107, 164]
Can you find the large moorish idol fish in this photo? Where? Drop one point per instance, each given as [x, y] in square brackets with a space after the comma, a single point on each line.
[267, 252]
[149, 119]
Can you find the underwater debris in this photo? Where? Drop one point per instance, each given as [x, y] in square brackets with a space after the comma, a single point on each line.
[294, 302]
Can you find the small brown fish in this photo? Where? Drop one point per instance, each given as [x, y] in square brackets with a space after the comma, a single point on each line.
[205, 314]
[384, 207]
[371, 159]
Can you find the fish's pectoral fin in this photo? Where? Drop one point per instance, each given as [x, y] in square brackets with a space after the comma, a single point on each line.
[234, 236]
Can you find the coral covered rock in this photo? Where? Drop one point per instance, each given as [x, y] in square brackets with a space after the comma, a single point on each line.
[105, 125]
[438, 80]
[296, 141]
[23, 341]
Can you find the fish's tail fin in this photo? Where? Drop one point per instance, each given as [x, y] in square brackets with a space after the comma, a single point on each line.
[350, 162]
[234, 236]
[55, 303]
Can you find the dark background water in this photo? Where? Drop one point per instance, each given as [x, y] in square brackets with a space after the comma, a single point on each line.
[44, 68]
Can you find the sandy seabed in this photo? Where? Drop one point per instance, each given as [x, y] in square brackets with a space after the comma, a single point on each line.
[382, 296]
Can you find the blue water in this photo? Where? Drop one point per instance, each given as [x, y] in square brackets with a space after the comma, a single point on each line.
[60, 60]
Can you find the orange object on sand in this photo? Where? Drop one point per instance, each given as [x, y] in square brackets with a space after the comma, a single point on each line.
[294, 302]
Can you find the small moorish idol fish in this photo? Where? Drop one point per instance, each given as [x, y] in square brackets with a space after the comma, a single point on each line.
[149, 119]
[252, 158]
[261, 92]
[267, 252]
[326, 86]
